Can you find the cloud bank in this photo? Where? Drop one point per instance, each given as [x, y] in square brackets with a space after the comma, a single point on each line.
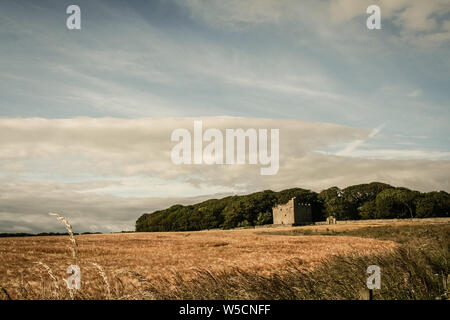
[104, 172]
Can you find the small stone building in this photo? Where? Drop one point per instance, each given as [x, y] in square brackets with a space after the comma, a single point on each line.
[331, 220]
[293, 212]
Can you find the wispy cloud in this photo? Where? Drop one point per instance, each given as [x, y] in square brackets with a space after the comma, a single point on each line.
[349, 150]
[399, 154]
[415, 93]
[419, 22]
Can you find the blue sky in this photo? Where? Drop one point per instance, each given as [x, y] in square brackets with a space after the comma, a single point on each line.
[312, 61]
[169, 58]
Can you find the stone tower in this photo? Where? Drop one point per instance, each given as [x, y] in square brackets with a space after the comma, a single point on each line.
[292, 213]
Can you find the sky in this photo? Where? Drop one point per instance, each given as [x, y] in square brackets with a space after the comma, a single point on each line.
[86, 115]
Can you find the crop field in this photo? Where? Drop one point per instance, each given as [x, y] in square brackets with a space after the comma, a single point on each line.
[220, 264]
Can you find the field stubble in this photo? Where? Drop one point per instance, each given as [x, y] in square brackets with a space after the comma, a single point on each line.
[282, 263]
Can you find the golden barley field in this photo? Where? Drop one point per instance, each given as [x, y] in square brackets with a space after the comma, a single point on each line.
[120, 265]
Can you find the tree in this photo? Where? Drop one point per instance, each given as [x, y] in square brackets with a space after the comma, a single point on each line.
[357, 195]
[243, 224]
[385, 204]
[264, 218]
[368, 210]
[407, 198]
[396, 203]
[331, 200]
[335, 204]
[433, 204]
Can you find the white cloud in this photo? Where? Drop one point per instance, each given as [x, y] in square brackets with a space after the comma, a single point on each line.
[103, 173]
[349, 150]
[418, 21]
[397, 154]
[26, 204]
[415, 93]
[237, 13]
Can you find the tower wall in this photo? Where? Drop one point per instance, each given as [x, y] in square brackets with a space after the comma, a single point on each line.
[292, 213]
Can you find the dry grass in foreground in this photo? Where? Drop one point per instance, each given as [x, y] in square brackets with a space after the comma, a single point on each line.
[280, 263]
